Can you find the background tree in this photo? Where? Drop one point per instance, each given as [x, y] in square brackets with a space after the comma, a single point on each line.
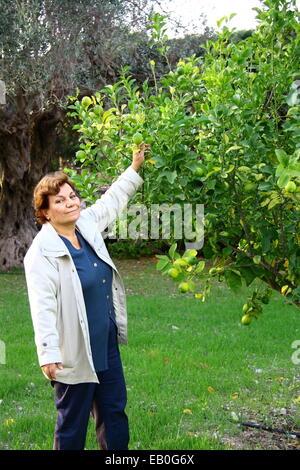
[47, 49]
[224, 131]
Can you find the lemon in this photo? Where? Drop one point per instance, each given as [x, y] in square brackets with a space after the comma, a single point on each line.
[180, 262]
[249, 187]
[137, 138]
[190, 259]
[212, 271]
[246, 307]
[80, 155]
[184, 287]
[246, 319]
[284, 290]
[86, 102]
[173, 272]
[290, 187]
[199, 171]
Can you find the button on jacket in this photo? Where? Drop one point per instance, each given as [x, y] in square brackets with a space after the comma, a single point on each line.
[54, 289]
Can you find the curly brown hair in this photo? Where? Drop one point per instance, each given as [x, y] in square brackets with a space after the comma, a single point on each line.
[49, 185]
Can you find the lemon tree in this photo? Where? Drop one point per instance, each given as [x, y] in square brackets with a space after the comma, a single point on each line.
[224, 132]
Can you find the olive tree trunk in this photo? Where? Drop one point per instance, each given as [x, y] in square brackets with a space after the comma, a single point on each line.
[27, 144]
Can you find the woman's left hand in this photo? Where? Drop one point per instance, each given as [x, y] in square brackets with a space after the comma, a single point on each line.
[138, 158]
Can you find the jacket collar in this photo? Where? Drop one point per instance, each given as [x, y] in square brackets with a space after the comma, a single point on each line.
[51, 243]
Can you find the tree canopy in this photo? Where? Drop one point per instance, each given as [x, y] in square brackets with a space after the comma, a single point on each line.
[224, 132]
[48, 48]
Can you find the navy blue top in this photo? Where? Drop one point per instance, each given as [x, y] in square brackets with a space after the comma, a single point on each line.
[96, 280]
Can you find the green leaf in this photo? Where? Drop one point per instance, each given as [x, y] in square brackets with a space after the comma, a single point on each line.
[166, 268]
[200, 267]
[265, 202]
[191, 284]
[243, 168]
[220, 21]
[212, 172]
[230, 169]
[172, 250]
[171, 176]
[283, 158]
[248, 274]
[162, 257]
[265, 240]
[234, 147]
[189, 252]
[162, 263]
[283, 179]
[233, 280]
[266, 186]
[211, 184]
[274, 202]
[227, 251]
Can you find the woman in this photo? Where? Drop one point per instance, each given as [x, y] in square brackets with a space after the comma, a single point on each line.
[78, 308]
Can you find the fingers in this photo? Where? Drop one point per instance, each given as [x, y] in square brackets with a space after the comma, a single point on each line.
[50, 370]
[143, 147]
[138, 157]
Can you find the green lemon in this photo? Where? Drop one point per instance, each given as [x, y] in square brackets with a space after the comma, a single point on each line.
[190, 253]
[173, 272]
[249, 187]
[290, 187]
[86, 102]
[246, 320]
[184, 287]
[80, 155]
[246, 307]
[137, 138]
[180, 262]
[98, 110]
[199, 171]
[191, 260]
[212, 271]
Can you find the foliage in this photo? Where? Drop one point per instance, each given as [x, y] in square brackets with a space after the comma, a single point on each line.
[223, 131]
[47, 49]
[49, 46]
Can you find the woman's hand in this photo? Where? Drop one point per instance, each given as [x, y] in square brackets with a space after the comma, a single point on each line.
[139, 157]
[50, 369]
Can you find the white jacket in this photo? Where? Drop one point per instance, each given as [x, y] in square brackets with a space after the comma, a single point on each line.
[54, 288]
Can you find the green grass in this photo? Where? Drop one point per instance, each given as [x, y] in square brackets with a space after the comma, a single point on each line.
[189, 365]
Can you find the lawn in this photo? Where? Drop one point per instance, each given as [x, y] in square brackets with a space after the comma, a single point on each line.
[193, 372]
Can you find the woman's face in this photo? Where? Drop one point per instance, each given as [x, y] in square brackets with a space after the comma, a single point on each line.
[64, 207]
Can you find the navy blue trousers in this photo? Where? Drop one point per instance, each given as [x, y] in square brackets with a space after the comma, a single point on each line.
[106, 402]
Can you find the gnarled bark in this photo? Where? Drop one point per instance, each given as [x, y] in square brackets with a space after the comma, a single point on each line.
[27, 143]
